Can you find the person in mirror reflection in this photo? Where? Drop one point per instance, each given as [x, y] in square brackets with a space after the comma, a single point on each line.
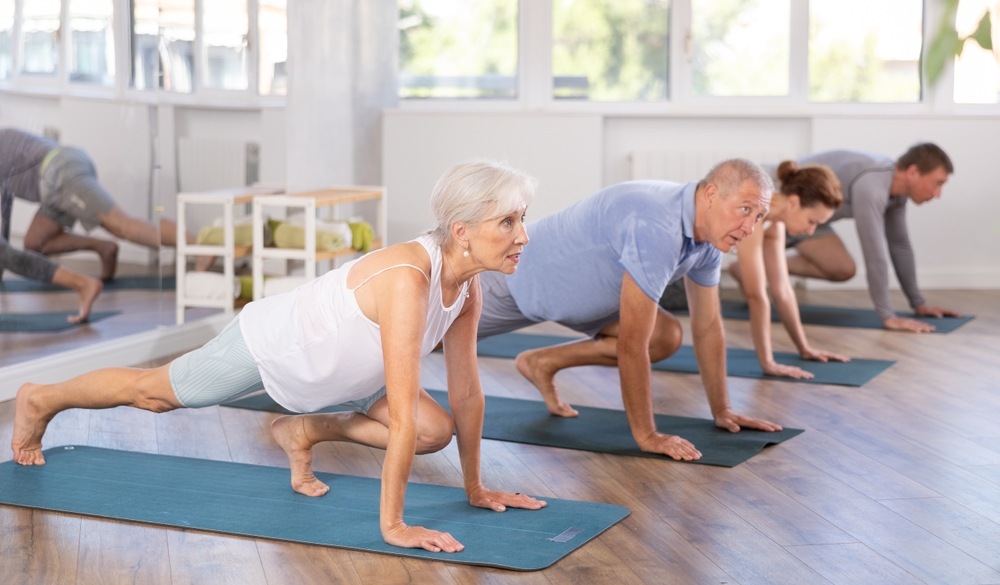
[63, 181]
[807, 198]
[600, 267]
[876, 191]
[355, 336]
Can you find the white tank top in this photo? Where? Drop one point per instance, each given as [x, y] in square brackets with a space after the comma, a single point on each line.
[315, 348]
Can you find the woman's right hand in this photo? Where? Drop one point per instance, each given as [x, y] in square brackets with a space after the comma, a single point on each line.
[783, 371]
[419, 537]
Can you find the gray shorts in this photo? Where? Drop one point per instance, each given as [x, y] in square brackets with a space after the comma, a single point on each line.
[69, 190]
[501, 314]
[822, 230]
[223, 370]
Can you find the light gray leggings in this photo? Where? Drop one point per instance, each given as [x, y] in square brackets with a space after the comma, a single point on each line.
[26, 263]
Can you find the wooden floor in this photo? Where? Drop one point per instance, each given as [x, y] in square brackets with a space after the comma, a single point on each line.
[896, 482]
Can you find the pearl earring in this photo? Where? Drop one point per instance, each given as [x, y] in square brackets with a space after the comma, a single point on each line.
[465, 253]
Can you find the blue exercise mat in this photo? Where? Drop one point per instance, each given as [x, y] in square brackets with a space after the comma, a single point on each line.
[741, 363]
[843, 317]
[46, 322]
[258, 502]
[600, 430]
[18, 285]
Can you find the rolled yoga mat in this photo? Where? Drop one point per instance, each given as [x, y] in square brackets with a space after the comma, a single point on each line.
[741, 363]
[118, 283]
[843, 317]
[257, 501]
[46, 322]
[601, 430]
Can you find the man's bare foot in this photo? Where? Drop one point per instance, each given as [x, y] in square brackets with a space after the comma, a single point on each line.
[88, 294]
[531, 365]
[29, 426]
[290, 434]
[109, 260]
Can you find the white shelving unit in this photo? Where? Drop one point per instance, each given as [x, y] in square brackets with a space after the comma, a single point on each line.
[310, 201]
[229, 251]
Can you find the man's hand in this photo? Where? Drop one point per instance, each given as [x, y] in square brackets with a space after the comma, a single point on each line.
[936, 312]
[498, 501]
[419, 537]
[728, 419]
[904, 324]
[819, 355]
[669, 445]
[776, 369]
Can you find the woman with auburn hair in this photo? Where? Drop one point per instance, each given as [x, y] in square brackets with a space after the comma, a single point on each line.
[807, 197]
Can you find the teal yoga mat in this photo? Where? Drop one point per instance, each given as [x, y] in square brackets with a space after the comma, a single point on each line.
[843, 317]
[46, 322]
[741, 363]
[257, 501]
[16, 285]
[601, 430]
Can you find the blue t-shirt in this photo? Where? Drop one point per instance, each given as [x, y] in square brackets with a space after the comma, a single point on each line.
[573, 267]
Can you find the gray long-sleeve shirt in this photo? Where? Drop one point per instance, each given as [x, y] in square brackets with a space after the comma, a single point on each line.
[880, 218]
[21, 156]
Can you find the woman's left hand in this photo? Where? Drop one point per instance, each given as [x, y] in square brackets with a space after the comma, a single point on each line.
[818, 355]
[497, 501]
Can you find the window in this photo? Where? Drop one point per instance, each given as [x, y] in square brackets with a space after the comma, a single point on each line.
[145, 40]
[40, 36]
[458, 48]
[864, 51]
[163, 45]
[740, 47]
[6, 38]
[92, 41]
[977, 71]
[272, 30]
[224, 36]
[610, 49]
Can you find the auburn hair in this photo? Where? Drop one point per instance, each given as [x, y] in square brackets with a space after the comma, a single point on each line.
[813, 184]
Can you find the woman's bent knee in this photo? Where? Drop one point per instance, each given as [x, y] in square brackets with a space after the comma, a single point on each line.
[435, 434]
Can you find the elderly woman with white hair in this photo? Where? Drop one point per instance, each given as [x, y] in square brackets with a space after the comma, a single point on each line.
[355, 336]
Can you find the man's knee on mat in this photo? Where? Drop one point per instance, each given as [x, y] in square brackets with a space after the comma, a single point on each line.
[667, 337]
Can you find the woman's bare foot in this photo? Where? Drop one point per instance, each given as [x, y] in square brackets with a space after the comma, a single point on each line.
[108, 252]
[290, 434]
[531, 365]
[29, 426]
[88, 294]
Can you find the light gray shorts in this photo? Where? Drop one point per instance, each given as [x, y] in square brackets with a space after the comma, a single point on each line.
[501, 314]
[223, 370]
[822, 230]
[69, 190]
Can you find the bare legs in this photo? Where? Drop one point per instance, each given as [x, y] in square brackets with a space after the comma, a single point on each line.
[48, 237]
[824, 257]
[297, 434]
[86, 287]
[37, 404]
[539, 366]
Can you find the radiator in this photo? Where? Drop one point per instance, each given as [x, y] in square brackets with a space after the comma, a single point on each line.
[207, 165]
[682, 166]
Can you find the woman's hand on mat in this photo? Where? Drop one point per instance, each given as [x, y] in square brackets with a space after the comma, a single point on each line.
[419, 537]
[819, 355]
[669, 445]
[936, 312]
[498, 501]
[776, 369]
[904, 324]
[728, 418]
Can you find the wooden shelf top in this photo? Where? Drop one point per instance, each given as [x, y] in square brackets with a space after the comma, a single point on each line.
[338, 195]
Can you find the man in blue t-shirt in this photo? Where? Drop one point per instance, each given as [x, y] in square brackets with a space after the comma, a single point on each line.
[600, 266]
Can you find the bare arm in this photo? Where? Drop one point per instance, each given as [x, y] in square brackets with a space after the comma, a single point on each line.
[710, 351]
[465, 395]
[904, 262]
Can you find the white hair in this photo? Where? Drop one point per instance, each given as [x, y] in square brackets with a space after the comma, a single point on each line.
[730, 174]
[475, 191]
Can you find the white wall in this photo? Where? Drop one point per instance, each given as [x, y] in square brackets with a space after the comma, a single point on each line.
[955, 238]
[562, 151]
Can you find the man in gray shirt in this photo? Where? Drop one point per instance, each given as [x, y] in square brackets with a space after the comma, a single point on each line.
[875, 192]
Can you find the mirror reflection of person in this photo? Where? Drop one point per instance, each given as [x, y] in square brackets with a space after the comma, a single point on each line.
[807, 197]
[876, 191]
[63, 181]
[354, 336]
[600, 266]
[34, 266]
